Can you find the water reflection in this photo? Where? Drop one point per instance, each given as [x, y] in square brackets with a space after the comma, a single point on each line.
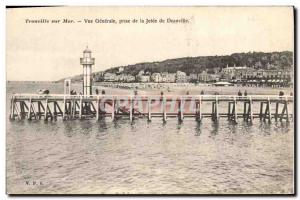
[214, 129]
[198, 128]
[69, 128]
[86, 127]
[179, 125]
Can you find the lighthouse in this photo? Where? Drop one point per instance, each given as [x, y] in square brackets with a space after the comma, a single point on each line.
[87, 61]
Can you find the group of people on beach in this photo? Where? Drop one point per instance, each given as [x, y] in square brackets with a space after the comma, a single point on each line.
[135, 92]
[73, 92]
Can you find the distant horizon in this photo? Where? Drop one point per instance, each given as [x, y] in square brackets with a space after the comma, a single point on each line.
[146, 62]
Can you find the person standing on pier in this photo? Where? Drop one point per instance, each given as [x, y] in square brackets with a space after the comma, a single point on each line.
[240, 93]
[245, 93]
[135, 91]
[73, 92]
[281, 93]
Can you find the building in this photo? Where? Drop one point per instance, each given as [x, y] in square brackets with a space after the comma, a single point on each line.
[143, 78]
[110, 77]
[141, 72]
[164, 77]
[168, 77]
[126, 78]
[236, 73]
[192, 78]
[129, 78]
[171, 78]
[156, 77]
[268, 73]
[181, 77]
[204, 77]
[214, 77]
[99, 77]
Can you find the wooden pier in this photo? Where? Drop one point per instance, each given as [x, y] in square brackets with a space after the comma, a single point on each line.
[67, 107]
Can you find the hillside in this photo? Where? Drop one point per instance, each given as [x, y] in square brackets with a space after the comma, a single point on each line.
[212, 64]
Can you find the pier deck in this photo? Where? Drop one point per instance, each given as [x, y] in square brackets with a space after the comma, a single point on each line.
[52, 106]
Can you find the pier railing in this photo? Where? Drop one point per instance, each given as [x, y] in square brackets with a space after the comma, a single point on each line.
[52, 106]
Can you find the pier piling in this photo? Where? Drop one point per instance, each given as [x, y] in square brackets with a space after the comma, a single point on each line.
[34, 107]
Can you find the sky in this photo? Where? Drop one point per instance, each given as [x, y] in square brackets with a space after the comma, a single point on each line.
[51, 51]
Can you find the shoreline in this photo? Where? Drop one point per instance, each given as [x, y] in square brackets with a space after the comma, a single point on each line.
[148, 88]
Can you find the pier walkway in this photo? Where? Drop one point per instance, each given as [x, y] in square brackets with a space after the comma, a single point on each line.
[53, 106]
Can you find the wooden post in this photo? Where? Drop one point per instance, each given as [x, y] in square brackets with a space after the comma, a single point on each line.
[77, 105]
[22, 109]
[149, 108]
[34, 111]
[282, 112]
[97, 109]
[235, 110]
[104, 110]
[55, 109]
[216, 109]
[164, 109]
[70, 109]
[276, 111]
[18, 111]
[287, 110]
[74, 109]
[113, 109]
[229, 115]
[268, 111]
[261, 110]
[64, 108]
[213, 111]
[131, 109]
[40, 105]
[29, 111]
[25, 107]
[50, 112]
[245, 111]
[12, 108]
[31, 108]
[59, 109]
[180, 113]
[200, 109]
[80, 107]
[250, 109]
[269, 108]
[93, 112]
[46, 110]
[117, 102]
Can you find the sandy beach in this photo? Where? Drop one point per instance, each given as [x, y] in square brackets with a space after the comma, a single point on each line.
[192, 89]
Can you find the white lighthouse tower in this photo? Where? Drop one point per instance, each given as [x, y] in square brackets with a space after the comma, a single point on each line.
[87, 61]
